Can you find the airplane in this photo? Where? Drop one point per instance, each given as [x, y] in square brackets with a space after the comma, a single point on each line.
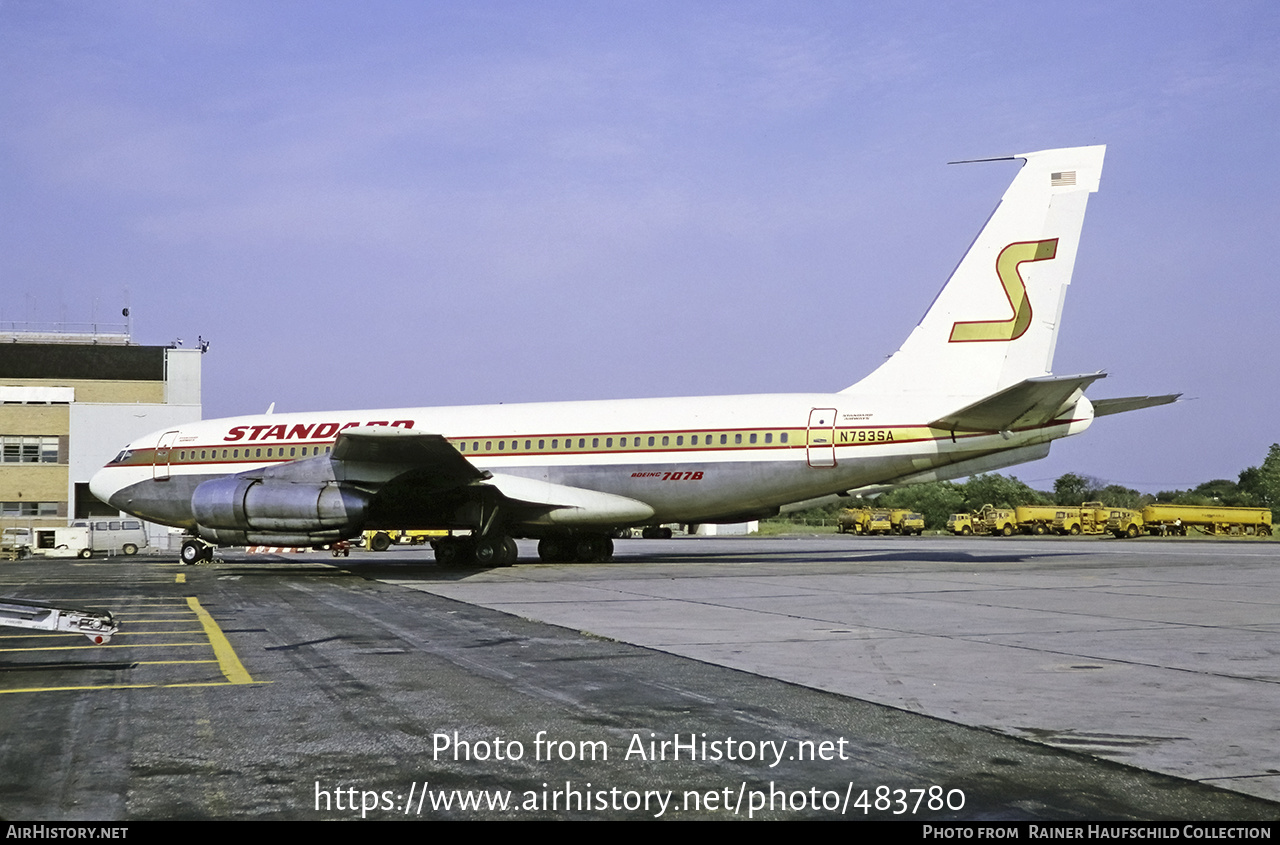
[970, 390]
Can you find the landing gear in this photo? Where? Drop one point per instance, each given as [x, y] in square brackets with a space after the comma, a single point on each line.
[594, 548]
[496, 550]
[194, 551]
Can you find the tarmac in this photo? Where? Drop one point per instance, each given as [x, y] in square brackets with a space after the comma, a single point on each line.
[912, 678]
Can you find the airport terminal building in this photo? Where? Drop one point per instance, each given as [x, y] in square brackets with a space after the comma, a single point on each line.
[68, 400]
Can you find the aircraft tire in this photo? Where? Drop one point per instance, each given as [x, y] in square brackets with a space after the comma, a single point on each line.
[510, 552]
[594, 549]
[192, 552]
[447, 552]
[488, 552]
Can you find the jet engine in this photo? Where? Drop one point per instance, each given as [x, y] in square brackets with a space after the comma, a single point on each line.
[244, 511]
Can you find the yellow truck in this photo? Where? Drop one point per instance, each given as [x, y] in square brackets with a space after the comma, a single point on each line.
[1089, 518]
[903, 521]
[987, 520]
[853, 520]
[1166, 520]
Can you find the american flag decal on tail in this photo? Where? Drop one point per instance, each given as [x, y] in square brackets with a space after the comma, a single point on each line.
[1065, 178]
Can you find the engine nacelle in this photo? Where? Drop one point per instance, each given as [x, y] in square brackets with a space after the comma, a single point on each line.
[242, 507]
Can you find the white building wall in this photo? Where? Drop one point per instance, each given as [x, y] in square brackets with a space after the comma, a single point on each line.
[99, 431]
[182, 377]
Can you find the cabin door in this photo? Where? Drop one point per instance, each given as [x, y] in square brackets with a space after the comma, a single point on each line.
[821, 441]
[160, 468]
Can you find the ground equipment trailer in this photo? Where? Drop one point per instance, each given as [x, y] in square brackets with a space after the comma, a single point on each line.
[98, 625]
[380, 541]
[1174, 520]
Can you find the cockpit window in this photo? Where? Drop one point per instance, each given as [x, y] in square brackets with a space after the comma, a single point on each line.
[123, 457]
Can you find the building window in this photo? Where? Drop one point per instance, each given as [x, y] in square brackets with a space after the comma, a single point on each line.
[24, 508]
[29, 450]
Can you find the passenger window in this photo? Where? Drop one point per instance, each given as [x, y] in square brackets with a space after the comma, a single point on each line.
[724, 438]
[737, 438]
[753, 437]
[582, 442]
[608, 443]
[768, 437]
[680, 440]
[541, 444]
[665, 440]
[782, 438]
[526, 444]
[555, 444]
[292, 451]
[595, 443]
[488, 445]
[650, 441]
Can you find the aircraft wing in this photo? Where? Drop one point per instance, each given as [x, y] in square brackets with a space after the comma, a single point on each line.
[1103, 407]
[371, 457]
[422, 467]
[1028, 403]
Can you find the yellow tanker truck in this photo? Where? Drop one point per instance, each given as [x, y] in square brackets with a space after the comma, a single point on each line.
[1176, 519]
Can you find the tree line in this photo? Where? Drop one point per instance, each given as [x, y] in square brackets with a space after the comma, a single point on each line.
[1257, 486]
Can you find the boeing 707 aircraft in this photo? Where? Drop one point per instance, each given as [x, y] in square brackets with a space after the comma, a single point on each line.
[970, 391]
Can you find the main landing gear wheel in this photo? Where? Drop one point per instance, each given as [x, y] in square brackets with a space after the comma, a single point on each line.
[498, 550]
[591, 549]
[594, 549]
[555, 550]
[194, 551]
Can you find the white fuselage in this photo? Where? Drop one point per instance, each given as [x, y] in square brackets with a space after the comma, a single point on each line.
[690, 459]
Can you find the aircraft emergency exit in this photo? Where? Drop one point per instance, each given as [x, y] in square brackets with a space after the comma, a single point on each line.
[970, 391]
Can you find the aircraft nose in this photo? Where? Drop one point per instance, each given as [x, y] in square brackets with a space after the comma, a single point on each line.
[103, 484]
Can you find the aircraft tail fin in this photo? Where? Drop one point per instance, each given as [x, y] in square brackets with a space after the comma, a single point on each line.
[995, 322]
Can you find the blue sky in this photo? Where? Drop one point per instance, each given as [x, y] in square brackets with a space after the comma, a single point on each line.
[392, 204]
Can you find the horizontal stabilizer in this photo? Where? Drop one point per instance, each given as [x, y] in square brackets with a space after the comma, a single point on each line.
[1103, 407]
[1031, 402]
